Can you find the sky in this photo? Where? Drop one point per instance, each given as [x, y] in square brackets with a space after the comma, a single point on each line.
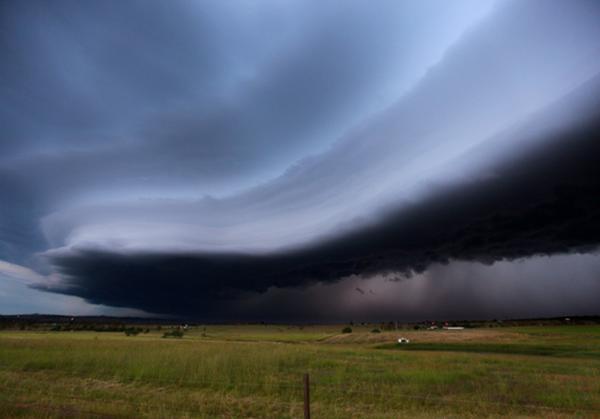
[300, 160]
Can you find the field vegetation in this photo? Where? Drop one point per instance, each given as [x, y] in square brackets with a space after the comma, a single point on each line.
[256, 371]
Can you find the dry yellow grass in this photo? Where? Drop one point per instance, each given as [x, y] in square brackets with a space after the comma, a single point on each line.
[432, 336]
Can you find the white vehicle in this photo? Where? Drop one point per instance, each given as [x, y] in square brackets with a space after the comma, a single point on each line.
[403, 340]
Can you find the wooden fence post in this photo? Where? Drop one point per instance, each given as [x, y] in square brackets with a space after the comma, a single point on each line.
[306, 397]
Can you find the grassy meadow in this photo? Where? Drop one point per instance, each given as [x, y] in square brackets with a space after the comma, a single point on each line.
[256, 371]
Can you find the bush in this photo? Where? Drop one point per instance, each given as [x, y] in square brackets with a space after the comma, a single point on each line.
[132, 331]
[347, 330]
[176, 333]
[375, 331]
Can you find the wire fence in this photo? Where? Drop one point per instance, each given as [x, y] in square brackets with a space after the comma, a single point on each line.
[292, 391]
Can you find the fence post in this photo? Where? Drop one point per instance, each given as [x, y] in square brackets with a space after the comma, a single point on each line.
[306, 397]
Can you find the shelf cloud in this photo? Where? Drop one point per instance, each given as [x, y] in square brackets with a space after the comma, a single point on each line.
[201, 160]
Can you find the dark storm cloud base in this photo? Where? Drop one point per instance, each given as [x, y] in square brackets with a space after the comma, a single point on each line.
[544, 202]
[307, 135]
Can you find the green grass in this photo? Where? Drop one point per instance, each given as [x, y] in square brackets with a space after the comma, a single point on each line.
[256, 371]
[516, 349]
[554, 332]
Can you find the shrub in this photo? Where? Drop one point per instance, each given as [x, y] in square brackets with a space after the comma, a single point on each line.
[347, 330]
[176, 333]
[132, 331]
[375, 331]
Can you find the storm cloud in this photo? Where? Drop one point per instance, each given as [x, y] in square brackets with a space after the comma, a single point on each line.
[185, 159]
[546, 201]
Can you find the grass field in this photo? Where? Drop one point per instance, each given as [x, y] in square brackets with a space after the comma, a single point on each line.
[256, 371]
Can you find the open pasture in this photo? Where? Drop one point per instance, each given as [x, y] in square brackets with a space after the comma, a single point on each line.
[256, 371]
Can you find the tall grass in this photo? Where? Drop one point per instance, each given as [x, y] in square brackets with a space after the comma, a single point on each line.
[230, 374]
